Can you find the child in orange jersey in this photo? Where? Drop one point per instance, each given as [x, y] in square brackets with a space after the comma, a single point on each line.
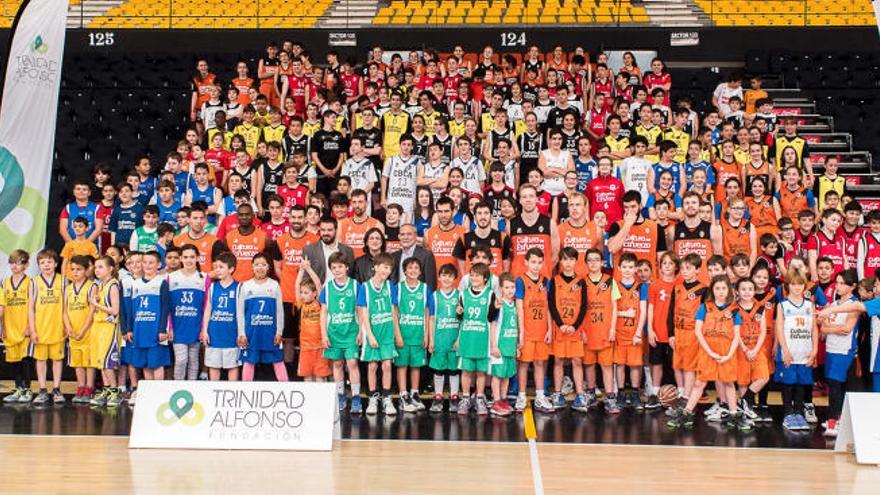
[313, 366]
[600, 330]
[686, 300]
[717, 330]
[632, 310]
[535, 333]
[568, 308]
[753, 372]
[660, 353]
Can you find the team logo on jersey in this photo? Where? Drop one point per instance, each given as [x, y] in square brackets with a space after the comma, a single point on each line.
[728, 315]
[181, 407]
[691, 295]
[702, 234]
[540, 228]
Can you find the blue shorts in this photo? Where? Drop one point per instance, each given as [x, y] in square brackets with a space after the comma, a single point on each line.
[796, 374]
[837, 366]
[150, 358]
[125, 355]
[252, 356]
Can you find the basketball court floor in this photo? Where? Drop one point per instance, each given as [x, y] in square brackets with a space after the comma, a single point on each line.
[77, 449]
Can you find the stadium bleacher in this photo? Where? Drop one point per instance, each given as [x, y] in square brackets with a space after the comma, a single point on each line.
[505, 12]
[298, 14]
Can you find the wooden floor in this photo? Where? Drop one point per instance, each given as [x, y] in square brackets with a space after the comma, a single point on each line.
[105, 465]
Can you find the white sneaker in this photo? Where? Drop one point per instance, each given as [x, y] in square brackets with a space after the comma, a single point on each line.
[832, 428]
[543, 404]
[567, 385]
[388, 407]
[810, 413]
[719, 414]
[747, 410]
[713, 410]
[407, 404]
[521, 403]
[133, 397]
[373, 405]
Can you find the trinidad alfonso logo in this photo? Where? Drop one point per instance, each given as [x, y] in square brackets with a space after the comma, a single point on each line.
[39, 46]
[180, 407]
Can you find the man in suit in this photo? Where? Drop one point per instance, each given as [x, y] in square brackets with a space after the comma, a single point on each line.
[318, 253]
[409, 249]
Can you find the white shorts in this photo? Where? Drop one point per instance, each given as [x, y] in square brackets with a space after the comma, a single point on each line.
[222, 357]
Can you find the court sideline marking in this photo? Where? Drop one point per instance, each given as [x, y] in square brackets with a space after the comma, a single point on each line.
[531, 437]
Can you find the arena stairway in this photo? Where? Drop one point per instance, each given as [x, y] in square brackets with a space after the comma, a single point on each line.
[825, 140]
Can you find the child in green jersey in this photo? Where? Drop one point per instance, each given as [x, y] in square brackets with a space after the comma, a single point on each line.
[377, 311]
[503, 344]
[473, 339]
[443, 336]
[415, 307]
[339, 329]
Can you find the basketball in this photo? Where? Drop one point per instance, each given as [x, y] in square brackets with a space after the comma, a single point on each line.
[667, 394]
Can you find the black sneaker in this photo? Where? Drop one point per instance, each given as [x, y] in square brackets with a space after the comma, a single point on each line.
[730, 420]
[674, 416]
[436, 404]
[764, 414]
[653, 403]
[628, 399]
[743, 423]
[417, 401]
[681, 419]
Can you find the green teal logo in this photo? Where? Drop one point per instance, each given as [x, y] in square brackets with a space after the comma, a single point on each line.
[14, 194]
[180, 407]
[39, 46]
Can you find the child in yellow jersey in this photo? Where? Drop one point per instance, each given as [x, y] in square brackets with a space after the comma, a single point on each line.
[78, 246]
[14, 304]
[104, 337]
[77, 321]
[45, 325]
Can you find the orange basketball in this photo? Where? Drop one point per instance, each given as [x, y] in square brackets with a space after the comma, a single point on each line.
[667, 394]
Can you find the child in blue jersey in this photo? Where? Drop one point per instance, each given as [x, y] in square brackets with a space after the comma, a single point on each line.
[186, 290]
[415, 306]
[261, 322]
[202, 190]
[164, 240]
[339, 328]
[132, 270]
[148, 321]
[182, 178]
[168, 203]
[870, 305]
[695, 162]
[841, 343]
[220, 328]
[584, 164]
[378, 316]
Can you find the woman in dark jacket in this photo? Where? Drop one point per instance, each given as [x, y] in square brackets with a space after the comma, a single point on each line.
[374, 243]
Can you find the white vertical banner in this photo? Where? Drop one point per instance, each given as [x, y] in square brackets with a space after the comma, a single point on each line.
[27, 124]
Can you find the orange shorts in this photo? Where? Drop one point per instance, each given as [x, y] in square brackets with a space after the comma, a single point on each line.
[751, 371]
[709, 370]
[313, 363]
[684, 355]
[627, 354]
[605, 357]
[568, 348]
[533, 350]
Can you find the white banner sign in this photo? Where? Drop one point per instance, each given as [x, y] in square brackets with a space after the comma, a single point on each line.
[859, 428]
[234, 415]
[27, 124]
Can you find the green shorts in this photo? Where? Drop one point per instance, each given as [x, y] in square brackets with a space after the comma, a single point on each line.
[505, 369]
[471, 364]
[414, 356]
[337, 353]
[444, 360]
[382, 353]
